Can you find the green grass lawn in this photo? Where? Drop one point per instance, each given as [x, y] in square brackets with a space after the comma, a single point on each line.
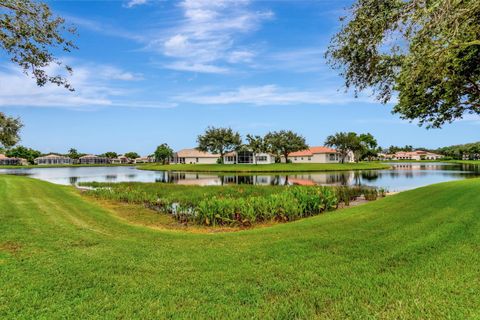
[477, 162]
[412, 255]
[277, 167]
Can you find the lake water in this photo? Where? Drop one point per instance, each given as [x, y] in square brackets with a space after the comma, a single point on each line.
[402, 176]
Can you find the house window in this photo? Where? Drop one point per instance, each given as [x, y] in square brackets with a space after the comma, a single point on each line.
[309, 158]
[295, 158]
[332, 157]
[196, 159]
[261, 158]
[301, 158]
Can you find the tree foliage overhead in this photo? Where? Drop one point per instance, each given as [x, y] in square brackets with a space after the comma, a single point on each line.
[28, 33]
[9, 130]
[219, 141]
[426, 51]
[284, 142]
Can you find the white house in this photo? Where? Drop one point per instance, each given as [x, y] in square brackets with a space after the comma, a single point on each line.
[318, 155]
[248, 157]
[93, 159]
[53, 159]
[194, 156]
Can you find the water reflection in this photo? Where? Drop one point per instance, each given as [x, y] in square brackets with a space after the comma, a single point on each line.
[400, 177]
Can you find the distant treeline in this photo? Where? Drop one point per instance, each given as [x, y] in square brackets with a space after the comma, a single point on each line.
[470, 151]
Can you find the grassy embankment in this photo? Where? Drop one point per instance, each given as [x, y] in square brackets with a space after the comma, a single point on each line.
[230, 205]
[412, 255]
[277, 167]
[476, 162]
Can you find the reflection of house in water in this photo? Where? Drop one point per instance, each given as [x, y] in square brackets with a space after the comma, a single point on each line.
[111, 177]
[248, 179]
[370, 175]
[191, 178]
[325, 178]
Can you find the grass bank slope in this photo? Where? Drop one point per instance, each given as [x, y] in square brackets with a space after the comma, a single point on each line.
[412, 255]
[276, 167]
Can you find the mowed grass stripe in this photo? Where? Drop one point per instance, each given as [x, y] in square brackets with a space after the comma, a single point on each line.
[413, 255]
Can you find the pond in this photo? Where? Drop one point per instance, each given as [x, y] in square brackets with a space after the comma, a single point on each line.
[401, 176]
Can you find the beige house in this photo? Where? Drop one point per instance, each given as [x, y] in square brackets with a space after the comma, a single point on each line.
[148, 159]
[318, 155]
[194, 156]
[121, 160]
[93, 159]
[53, 159]
[413, 155]
[7, 161]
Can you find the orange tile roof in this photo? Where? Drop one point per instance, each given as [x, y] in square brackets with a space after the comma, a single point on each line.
[312, 151]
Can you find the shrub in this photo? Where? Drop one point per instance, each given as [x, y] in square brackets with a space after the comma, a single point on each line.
[233, 205]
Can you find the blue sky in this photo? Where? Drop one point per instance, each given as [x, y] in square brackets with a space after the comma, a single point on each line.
[149, 72]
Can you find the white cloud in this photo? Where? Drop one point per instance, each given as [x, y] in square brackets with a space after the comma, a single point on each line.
[299, 60]
[133, 3]
[268, 95]
[95, 86]
[105, 28]
[240, 56]
[114, 73]
[205, 40]
[195, 67]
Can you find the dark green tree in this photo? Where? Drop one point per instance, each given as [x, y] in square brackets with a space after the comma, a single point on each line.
[110, 155]
[163, 153]
[256, 144]
[73, 153]
[425, 54]
[219, 141]
[344, 142]
[282, 143]
[9, 130]
[394, 149]
[369, 146]
[132, 155]
[23, 152]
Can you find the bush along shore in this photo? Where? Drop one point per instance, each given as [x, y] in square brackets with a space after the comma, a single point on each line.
[234, 205]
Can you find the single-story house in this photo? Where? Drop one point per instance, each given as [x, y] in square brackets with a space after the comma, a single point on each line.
[53, 159]
[93, 159]
[148, 159]
[413, 155]
[121, 160]
[318, 155]
[248, 157]
[12, 161]
[194, 156]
